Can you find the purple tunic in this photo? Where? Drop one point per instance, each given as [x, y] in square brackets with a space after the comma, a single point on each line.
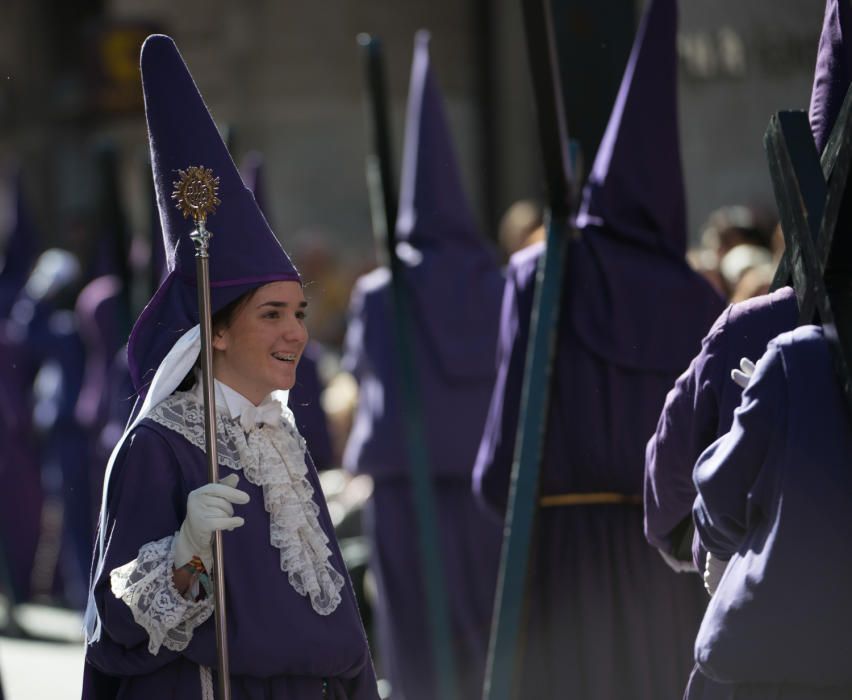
[700, 408]
[607, 618]
[280, 649]
[773, 497]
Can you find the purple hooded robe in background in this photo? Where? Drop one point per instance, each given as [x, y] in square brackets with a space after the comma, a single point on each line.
[607, 619]
[700, 407]
[774, 497]
[453, 282]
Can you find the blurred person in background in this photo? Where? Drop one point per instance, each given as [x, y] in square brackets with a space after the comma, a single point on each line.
[606, 619]
[521, 226]
[453, 282]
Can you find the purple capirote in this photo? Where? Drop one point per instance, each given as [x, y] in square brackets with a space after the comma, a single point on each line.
[244, 253]
[833, 70]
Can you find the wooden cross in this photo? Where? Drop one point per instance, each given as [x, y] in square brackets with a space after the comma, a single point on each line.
[809, 191]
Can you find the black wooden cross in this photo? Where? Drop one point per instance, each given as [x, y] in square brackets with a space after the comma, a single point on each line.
[809, 193]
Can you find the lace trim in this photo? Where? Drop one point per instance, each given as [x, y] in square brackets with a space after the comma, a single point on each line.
[146, 586]
[272, 457]
[206, 677]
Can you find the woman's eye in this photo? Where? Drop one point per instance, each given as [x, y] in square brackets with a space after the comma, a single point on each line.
[301, 315]
[271, 314]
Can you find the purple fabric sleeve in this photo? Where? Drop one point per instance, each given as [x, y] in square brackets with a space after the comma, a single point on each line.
[688, 423]
[493, 467]
[730, 476]
[145, 473]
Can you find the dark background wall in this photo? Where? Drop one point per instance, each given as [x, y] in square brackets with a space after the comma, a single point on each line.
[287, 77]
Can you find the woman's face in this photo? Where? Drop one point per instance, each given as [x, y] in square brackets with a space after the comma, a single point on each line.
[258, 352]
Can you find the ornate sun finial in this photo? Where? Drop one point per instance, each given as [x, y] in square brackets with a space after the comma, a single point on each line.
[195, 192]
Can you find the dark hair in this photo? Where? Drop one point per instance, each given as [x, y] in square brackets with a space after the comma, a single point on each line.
[221, 320]
[224, 317]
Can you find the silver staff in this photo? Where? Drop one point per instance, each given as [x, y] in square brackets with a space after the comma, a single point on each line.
[195, 193]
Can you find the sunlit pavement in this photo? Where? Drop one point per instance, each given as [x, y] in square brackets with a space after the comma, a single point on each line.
[35, 669]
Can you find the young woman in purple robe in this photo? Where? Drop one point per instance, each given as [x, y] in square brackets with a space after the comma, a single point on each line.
[294, 631]
[607, 619]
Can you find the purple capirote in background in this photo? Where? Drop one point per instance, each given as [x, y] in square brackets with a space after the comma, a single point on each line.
[452, 282]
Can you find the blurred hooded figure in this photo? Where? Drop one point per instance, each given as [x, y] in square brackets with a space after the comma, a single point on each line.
[607, 619]
[51, 370]
[453, 282]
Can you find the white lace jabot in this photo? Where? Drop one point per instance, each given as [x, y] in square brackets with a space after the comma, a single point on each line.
[270, 455]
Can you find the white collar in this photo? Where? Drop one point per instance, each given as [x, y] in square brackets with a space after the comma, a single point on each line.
[229, 401]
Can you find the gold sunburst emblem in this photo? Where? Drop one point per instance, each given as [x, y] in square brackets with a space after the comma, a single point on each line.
[195, 192]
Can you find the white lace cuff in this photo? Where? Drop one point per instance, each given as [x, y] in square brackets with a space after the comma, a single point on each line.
[146, 586]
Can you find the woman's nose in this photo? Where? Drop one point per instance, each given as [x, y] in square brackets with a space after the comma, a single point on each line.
[296, 332]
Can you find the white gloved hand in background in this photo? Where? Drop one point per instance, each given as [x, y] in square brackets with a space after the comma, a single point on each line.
[208, 508]
[742, 375]
[713, 571]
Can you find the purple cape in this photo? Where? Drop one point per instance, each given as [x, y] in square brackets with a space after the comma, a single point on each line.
[773, 497]
[599, 597]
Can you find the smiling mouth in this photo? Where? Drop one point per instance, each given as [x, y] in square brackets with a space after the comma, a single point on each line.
[284, 356]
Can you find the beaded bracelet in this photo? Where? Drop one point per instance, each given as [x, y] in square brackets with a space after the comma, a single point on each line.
[196, 567]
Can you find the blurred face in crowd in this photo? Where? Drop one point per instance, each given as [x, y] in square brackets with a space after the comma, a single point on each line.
[256, 350]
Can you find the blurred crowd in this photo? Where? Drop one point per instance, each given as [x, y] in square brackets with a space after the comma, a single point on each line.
[66, 394]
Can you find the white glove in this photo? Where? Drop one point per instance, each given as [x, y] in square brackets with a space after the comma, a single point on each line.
[742, 375]
[208, 508]
[713, 571]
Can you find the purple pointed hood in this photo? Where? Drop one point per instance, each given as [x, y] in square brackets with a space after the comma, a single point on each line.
[432, 205]
[17, 245]
[833, 70]
[447, 264]
[635, 189]
[633, 220]
[244, 253]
